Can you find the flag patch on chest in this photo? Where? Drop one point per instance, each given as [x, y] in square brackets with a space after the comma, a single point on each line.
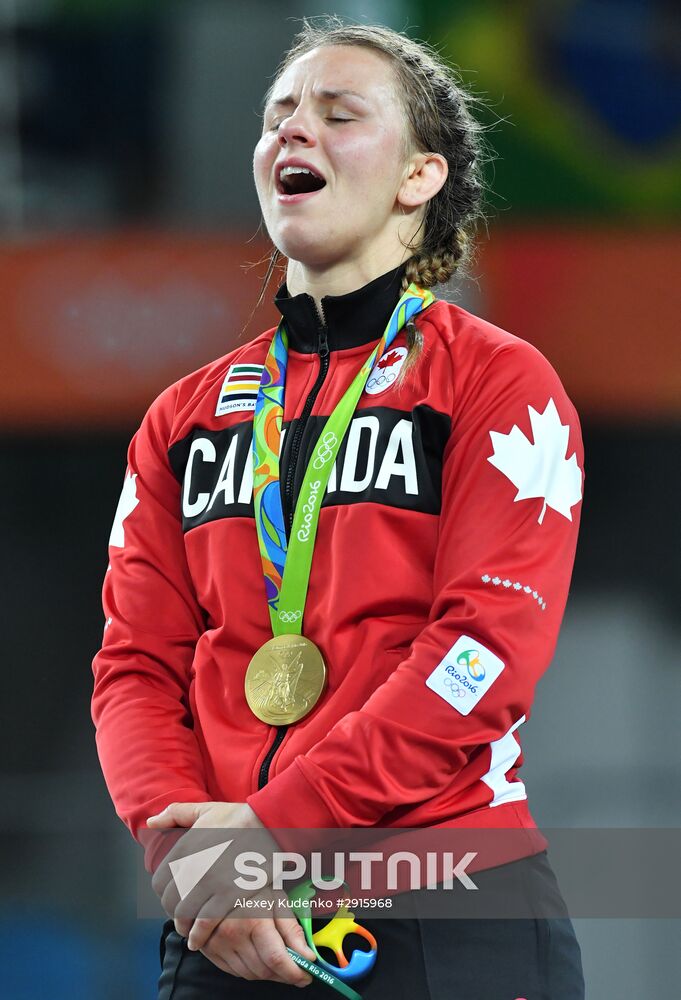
[386, 371]
[240, 389]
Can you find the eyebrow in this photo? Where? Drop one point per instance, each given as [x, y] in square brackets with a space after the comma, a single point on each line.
[326, 95]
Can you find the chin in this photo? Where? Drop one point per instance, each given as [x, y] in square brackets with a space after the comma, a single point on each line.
[311, 249]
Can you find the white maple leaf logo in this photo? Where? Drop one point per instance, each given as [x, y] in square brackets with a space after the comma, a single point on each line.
[126, 504]
[540, 469]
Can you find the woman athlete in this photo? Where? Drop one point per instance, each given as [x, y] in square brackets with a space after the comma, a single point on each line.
[342, 552]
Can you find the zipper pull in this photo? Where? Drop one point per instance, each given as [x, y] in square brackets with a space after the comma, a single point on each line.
[323, 342]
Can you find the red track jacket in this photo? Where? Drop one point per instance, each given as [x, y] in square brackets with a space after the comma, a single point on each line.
[439, 580]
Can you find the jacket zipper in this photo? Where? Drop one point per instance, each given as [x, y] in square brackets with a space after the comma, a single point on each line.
[323, 351]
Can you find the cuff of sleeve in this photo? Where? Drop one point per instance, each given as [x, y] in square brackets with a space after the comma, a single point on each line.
[157, 843]
[290, 801]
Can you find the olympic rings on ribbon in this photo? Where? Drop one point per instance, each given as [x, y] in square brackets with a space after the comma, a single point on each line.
[324, 447]
[290, 616]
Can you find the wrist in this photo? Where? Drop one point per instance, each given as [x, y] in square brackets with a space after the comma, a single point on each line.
[248, 819]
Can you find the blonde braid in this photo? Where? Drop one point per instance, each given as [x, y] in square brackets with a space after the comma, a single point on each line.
[427, 270]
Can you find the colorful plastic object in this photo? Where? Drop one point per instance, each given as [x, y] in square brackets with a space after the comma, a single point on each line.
[332, 936]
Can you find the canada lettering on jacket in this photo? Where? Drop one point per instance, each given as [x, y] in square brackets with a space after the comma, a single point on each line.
[387, 456]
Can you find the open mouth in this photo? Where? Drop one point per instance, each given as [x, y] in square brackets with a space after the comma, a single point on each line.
[298, 180]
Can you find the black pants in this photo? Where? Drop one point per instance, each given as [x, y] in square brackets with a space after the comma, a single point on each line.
[421, 958]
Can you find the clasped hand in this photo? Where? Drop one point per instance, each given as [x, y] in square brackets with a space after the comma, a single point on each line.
[249, 947]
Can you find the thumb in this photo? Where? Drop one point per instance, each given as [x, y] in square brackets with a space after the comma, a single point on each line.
[294, 936]
[177, 814]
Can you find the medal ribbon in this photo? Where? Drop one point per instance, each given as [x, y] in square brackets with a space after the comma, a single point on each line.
[322, 974]
[286, 567]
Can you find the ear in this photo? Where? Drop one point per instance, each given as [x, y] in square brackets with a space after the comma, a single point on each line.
[426, 174]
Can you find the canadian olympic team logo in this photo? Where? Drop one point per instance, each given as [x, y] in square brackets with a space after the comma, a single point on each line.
[386, 370]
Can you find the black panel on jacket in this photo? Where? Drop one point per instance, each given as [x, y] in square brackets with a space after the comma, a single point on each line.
[388, 456]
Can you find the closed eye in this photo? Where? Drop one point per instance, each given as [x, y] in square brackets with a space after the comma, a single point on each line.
[275, 125]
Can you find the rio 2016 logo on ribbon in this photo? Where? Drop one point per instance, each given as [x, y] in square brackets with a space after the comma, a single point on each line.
[308, 511]
[470, 659]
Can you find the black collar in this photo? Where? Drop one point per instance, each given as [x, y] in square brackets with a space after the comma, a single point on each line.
[351, 320]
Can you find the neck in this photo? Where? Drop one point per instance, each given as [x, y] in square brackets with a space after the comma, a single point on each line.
[340, 278]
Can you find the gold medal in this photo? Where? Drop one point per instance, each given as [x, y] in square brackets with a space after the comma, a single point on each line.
[285, 679]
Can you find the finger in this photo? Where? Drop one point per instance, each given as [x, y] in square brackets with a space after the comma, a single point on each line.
[200, 903]
[234, 966]
[201, 906]
[227, 942]
[232, 941]
[271, 950]
[293, 935]
[177, 814]
[185, 909]
[251, 957]
[201, 930]
[208, 900]
[181, 911]
[218, 816]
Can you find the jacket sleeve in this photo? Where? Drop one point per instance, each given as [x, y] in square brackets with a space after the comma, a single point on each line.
[145, 740]
[511, 491]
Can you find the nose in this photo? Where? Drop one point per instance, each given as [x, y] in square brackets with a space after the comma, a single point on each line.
[296, 128]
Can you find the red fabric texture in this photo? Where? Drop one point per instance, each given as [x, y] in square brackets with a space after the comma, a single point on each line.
[391, 591]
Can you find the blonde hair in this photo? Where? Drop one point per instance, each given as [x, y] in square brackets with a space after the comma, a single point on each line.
[437, 107]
